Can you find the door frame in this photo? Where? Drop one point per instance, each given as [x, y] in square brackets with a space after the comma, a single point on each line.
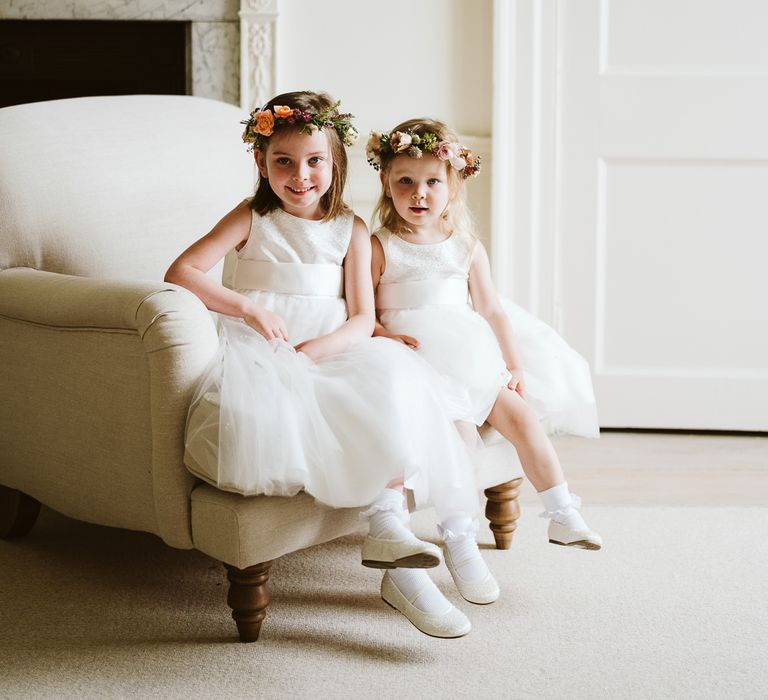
[525, 223]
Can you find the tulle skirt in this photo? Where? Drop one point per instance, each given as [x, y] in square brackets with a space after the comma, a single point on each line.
[460, 345]
[268, 420]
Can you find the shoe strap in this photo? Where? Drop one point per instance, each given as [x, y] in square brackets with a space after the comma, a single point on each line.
[424, 589]
[469, 556]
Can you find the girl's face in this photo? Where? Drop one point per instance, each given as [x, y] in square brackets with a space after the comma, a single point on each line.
[299, 168]
[419, 189]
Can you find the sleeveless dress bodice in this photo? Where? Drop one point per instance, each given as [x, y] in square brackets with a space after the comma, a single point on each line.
[301, 278]
[423, 292]
[283, 238]
[411, 262]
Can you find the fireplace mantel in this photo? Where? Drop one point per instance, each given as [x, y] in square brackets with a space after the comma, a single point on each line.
[231, 44]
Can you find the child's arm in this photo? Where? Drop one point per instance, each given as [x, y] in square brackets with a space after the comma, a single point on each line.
[359, 296]
[190, 268]
[486, 302]
[377, 270]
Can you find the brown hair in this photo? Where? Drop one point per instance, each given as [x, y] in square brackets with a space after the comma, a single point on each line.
[265, 200]
[456, 214]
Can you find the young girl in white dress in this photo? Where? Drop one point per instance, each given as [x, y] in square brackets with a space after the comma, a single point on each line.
[434, 293]
[300, 396]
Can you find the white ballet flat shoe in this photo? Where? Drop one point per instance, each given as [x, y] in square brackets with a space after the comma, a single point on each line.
[478, 592]
[410, 553]
[564, 535]
[448, 625]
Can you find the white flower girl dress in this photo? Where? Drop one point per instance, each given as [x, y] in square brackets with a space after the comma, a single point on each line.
[268, 420]
[423, 293]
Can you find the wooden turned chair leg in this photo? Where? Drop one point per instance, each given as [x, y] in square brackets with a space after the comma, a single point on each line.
[18, 513]
[503, 510]
[248, 597]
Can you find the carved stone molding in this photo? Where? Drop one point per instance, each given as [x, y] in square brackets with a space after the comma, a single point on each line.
[213, 50]
[258, 5]
[257, 52]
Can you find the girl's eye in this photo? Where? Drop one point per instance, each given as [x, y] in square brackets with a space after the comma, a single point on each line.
[314, 160]
[433, 181]
[283, 161]
[405, 181]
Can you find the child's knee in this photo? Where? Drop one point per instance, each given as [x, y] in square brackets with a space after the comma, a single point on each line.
[519, 411]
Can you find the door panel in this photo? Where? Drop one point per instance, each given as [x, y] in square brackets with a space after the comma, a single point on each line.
[663, 182]
[640, 173]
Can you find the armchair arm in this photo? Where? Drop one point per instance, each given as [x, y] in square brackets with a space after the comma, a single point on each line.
[97, 377]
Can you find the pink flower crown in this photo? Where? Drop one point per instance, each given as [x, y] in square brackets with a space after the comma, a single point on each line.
[262, 123]
[415, 146]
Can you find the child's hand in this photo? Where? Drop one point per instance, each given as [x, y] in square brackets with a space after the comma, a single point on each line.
[516, 382]
[315, 349]
[406, 340]
[269, 324]
[381, 332]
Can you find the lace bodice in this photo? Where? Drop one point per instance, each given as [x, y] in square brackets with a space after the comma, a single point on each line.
[410, 262]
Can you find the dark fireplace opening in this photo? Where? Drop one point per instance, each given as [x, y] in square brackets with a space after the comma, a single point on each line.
[54, 59]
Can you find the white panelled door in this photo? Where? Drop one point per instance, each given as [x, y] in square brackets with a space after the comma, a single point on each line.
[649, 130]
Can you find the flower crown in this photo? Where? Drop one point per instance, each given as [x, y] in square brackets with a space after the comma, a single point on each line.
[262, 123]
[415, 146]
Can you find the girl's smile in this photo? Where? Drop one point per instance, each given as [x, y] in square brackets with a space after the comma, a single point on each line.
[299, 168]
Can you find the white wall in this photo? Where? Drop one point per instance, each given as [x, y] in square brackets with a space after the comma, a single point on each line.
[390, 61]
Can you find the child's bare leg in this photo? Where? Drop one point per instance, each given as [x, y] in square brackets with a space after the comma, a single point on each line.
[517, 422]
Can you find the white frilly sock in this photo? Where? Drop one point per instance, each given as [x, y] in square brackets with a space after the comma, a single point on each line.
[562, 506]
[420, 590]
[387, 516]
[459, 534]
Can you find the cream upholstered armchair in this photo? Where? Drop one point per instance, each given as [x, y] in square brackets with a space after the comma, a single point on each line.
[99, 356]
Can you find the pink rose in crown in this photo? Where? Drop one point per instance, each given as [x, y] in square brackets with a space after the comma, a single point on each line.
[447, 150]
[282, 111]
[265, 122]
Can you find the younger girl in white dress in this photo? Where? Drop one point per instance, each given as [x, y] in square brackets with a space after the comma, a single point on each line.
[434, 293]
[300, 395]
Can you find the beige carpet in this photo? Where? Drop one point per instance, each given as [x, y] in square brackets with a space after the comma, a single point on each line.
[673, 607]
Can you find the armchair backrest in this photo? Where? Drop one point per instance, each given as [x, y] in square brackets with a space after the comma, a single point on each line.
[116, 187]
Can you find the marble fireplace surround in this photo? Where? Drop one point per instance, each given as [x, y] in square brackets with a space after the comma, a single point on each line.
[231, 44]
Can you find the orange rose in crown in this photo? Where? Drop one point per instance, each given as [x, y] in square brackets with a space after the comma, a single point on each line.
[262, 124]
[283, 112]
[265, 122]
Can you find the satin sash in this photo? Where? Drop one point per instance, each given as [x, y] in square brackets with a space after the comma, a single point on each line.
[310, 279]
[409, 295]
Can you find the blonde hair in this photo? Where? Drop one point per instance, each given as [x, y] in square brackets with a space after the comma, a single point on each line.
[265, 200]
[456, 216]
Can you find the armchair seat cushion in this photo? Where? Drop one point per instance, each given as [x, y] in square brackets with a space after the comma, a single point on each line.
[248, 530]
